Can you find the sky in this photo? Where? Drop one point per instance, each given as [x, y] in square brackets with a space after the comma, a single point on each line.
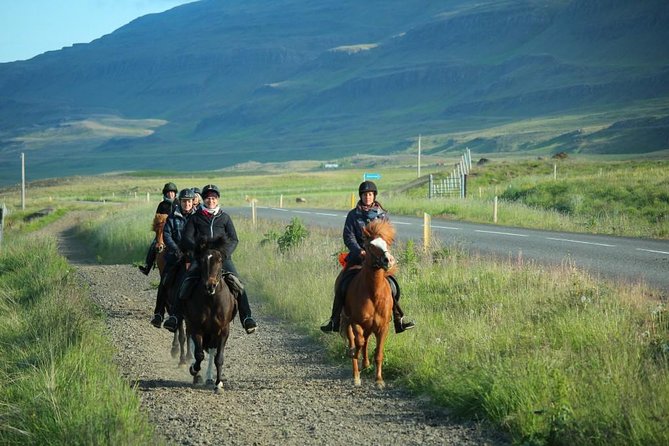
[32, 27]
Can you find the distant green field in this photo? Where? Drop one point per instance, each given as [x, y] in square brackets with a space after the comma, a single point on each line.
[620, 197]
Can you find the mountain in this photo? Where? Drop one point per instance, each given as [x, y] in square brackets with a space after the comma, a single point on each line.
[213, 83]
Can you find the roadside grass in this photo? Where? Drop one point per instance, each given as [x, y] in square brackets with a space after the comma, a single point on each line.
[59, 384]
[548, 354]
[624, 198]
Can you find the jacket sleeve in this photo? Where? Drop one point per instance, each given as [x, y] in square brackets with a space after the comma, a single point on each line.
[349, 235]
[231, 235]
[188, 236]
[169, 238]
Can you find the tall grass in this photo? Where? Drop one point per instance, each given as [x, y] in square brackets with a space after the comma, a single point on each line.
[59, 385]
[548, 354]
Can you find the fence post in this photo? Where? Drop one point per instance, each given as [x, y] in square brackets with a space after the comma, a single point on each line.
[3, 211]
[429, 187]
[494, 211]
[253, 212]
[148, 197]
[427, 228]
[281, 201]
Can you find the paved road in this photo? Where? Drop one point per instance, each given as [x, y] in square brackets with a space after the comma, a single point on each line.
[620, 258]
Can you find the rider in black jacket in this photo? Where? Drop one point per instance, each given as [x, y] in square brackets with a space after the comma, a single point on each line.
[366, 210]
[211, 222]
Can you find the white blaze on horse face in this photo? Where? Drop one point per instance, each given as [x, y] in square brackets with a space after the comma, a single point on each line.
[380, 243]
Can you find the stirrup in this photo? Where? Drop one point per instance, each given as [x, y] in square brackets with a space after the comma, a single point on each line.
[250, 327]
[171, 324]
[330, 327]
[401, 326]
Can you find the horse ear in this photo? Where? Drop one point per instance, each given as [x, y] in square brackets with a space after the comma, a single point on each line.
[201, 244]
[219, 243]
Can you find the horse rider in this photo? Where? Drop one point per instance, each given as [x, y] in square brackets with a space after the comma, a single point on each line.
[162, 212]
[211, 222]
[366, 210]
[197, 201]
[174, 256]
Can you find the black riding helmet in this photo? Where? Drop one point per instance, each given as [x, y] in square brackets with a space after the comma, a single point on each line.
[210, 188]
[186, 194]
[367, 186]
[170, 187]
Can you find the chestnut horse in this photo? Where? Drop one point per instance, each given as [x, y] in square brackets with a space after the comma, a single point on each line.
[369, 302]
[209, 309]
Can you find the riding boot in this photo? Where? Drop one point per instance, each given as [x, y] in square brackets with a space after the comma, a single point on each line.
[398, 315]
[172, 323]
[150, 259]
[337, 305]
[245, 313]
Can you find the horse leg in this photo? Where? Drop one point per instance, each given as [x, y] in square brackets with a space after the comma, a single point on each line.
[365, 356]
[210, 366]
[218, 388]
[184, 354]
[199, 357]
[378, 357]
[360, 340]
[174, 351]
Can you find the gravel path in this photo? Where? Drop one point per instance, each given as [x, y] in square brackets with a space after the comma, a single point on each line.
[279, 386]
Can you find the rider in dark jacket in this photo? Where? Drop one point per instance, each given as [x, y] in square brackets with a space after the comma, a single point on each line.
[211, 222]
[366, 210]
[173, 257]
[162, 213]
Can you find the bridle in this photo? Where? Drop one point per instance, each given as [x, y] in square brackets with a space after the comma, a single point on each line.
[209, 259]
[382, 261]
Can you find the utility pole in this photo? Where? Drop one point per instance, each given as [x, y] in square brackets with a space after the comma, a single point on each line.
[23, 181]
[418, 157]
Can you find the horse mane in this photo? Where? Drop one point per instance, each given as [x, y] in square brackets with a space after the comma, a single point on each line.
[380, 228]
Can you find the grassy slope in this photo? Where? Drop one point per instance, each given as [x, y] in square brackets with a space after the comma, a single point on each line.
[59, 382]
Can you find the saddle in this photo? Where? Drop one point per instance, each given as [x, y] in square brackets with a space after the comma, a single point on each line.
[234, 284]
[346, 277]
[350, 274]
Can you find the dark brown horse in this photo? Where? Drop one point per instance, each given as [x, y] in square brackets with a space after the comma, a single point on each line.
[210, 309]
[369, 302]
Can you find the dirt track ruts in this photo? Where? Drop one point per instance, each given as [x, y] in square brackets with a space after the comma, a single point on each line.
[280, 387]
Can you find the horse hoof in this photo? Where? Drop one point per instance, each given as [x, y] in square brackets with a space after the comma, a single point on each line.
[197, 380]
[183, 363]
[380, 385]
[210, 382]
[175, 353]
[218, 389]
[357, 382]
[192, 371]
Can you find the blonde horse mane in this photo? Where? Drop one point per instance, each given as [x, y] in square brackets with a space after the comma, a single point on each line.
[380, 228]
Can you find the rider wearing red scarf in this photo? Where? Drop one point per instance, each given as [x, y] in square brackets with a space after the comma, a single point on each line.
[210, 222]
[366, 210]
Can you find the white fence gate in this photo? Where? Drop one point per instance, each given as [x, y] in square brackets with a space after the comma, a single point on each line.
[454, 185]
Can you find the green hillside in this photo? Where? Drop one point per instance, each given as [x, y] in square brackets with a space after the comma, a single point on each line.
[281, 80]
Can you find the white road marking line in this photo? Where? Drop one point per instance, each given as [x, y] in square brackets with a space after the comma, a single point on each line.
[401, 223]
[302, 212]
[579, 241]
[652, 250]
[327, 215]
[502, 233]
[445, 227]
[279, 209]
